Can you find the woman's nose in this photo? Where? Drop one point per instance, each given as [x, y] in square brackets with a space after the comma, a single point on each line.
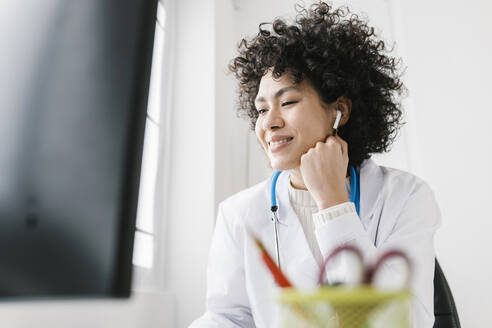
[273, 120]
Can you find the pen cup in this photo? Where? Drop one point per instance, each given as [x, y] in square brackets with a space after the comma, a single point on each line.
[342, 307]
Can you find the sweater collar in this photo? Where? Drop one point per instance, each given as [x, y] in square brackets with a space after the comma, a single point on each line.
[303, 198]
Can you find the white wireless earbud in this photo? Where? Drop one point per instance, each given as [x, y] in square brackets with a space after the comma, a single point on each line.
[337, 121]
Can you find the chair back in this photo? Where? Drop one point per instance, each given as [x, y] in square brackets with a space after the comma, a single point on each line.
[444, 307]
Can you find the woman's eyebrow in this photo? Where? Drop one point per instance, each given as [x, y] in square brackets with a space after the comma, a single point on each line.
[279, 93]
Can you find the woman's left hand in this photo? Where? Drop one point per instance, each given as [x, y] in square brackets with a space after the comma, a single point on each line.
[324, 169]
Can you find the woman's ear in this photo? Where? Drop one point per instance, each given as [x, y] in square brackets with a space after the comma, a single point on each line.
[344, 105]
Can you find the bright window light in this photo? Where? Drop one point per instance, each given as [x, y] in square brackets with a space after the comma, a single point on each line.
[148, 178]
[143, 255]
[143, 250]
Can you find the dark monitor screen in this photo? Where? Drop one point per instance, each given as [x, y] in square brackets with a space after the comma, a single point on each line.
[74, 79]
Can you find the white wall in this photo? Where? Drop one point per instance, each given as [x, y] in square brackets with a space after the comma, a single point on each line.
[449, 51]
[208, 153]
[447, 48]
[190, 213]
[231, 134]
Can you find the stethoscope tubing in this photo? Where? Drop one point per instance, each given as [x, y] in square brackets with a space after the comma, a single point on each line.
[354, 187]
[273, 186]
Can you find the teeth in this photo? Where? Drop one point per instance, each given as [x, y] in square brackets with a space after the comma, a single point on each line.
[280, 141]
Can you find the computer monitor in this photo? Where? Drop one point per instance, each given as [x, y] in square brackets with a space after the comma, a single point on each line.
[74, 78]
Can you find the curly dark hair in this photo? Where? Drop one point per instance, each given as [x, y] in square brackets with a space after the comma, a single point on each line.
[341, 56]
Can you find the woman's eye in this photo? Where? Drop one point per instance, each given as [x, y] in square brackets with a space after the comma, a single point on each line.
[287, 103]
[262, 111]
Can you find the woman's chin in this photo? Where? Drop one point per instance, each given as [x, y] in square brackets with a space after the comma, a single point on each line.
[282, 165]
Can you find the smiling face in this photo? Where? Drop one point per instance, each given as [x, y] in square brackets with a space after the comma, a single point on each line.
[291, 119]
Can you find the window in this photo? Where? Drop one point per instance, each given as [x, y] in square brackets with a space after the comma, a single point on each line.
[147, 229]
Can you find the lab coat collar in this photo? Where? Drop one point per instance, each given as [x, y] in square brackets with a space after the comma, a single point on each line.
[371, 184]
[371, 181]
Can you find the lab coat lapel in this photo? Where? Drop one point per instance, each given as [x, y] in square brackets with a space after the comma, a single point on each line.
[296, 258]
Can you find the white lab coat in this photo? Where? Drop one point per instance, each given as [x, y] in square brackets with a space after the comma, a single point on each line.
[240, 290]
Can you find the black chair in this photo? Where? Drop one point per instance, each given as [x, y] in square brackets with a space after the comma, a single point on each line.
[444, 307]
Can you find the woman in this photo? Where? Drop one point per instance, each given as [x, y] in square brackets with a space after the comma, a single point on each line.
[292, 81]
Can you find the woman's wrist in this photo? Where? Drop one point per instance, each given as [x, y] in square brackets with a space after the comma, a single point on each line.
[332, 200]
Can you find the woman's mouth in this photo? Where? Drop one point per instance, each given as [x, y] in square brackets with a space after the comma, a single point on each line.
[279, 144]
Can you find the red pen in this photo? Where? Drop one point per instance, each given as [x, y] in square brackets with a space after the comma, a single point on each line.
[279, 277]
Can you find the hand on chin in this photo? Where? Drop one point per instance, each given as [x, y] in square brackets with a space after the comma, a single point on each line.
[323, 169]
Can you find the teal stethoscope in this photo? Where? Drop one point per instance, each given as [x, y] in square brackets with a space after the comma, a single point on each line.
[354, 193]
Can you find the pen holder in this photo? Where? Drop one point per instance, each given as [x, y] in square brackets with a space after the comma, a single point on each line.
[343, 307]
